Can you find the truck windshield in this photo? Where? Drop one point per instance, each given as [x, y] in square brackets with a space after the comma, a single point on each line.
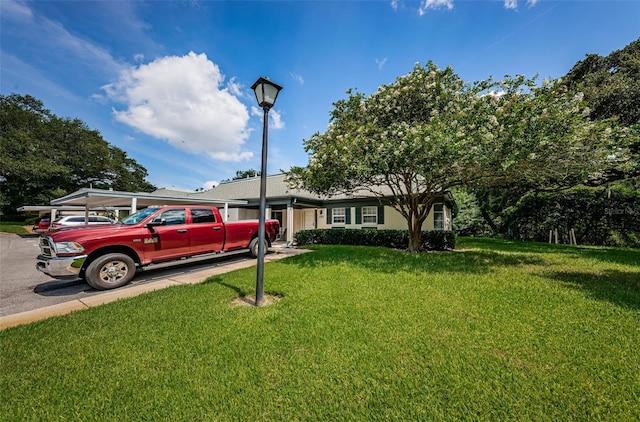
[139, 216]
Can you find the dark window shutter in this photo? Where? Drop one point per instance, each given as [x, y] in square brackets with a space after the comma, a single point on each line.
[347, 212]
[329, 221]
[380, 215]
[358, 215]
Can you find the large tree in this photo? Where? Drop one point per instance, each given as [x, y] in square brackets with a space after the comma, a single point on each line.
[611, 86]
[429, 132]
[611, 89]
[43, 156]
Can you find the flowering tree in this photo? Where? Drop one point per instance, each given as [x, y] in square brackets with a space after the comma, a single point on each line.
[429, 131]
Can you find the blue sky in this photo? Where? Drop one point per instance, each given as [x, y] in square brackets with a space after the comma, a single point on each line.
[169, 81]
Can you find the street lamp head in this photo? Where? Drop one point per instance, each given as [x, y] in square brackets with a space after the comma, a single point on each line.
[266, 92]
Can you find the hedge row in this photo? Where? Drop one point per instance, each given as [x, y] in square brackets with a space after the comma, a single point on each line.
[399, 239]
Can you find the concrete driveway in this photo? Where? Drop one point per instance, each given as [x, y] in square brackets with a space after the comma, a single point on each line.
[28, 295]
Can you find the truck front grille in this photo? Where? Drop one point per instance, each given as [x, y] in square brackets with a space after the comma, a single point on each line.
[46, 246]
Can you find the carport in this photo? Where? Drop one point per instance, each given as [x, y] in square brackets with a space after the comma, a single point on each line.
[102, 199]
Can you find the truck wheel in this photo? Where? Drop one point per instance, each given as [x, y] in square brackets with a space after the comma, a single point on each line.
[110, 271]
[253, 247]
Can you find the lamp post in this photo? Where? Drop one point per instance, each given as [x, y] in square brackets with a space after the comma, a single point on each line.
[266, 93]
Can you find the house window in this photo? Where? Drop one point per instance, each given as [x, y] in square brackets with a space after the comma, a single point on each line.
[338, 216]
[438, 216]
[370, 215]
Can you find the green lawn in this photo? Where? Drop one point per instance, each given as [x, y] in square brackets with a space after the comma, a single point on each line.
[12, 227]
[494, 331]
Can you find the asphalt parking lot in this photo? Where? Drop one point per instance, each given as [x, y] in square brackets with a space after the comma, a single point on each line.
[23, 288]
[27, 294]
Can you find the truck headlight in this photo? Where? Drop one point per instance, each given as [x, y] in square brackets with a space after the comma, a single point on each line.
[69, 247]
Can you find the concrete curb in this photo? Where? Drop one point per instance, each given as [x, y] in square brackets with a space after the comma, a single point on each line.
[132, 291]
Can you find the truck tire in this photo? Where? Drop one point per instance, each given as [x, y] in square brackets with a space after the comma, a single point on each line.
[110, 271]
[253, 247]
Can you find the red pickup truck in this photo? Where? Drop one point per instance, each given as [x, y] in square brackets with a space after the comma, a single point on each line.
[107, 256]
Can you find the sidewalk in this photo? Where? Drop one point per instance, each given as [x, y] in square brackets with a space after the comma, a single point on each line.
[276, 252]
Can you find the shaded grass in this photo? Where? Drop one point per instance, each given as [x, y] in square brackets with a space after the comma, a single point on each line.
[496, 331]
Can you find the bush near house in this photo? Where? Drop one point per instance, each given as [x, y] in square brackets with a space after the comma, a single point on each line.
[399, 239]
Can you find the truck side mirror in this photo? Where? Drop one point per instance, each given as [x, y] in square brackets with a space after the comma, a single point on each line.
[154, 223]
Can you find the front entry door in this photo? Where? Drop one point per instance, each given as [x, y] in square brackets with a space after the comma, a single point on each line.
[309, 219]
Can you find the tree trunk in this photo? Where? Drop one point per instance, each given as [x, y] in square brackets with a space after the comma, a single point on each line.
[414, 236]
[488, 220]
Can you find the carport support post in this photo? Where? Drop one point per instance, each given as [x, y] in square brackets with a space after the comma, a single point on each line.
[290, 212]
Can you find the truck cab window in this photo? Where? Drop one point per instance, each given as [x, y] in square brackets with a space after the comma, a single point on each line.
[202, 215]
[172, 217]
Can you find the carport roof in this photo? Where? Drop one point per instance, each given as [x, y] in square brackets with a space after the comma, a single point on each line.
[94, 198]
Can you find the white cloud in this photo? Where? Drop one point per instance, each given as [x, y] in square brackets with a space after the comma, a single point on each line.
[434, 4]
[381, 63]
[394, 4]
[275, 121]
[513, 4]
[210, 184]
[510, 4]
[296, 77]
[235, 88]
[182, 100]
[16, 10]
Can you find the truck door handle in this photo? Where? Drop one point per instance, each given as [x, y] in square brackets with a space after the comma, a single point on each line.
[182, 230]
[216, 228]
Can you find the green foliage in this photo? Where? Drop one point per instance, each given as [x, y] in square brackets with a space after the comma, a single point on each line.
[497, 331]
[429, 132]
[468, 219]
[438, 240]
[611, 84]
[611, 90]
[400, 143]
[43, 156]
[243, 174]
[611, 87]
[599, 216]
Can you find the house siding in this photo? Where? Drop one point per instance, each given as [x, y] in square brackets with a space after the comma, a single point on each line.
[393, 220]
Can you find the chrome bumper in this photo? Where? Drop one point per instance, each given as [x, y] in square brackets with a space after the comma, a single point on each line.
[60, 267]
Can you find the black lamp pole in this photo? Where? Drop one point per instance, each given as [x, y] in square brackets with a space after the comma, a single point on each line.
[266, 93]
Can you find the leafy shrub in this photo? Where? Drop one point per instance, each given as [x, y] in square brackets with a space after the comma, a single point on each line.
[399, 239]
[599, 216]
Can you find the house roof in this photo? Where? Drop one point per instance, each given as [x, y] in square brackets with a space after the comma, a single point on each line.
[277, 187]
[249, 189]
[172, 192]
